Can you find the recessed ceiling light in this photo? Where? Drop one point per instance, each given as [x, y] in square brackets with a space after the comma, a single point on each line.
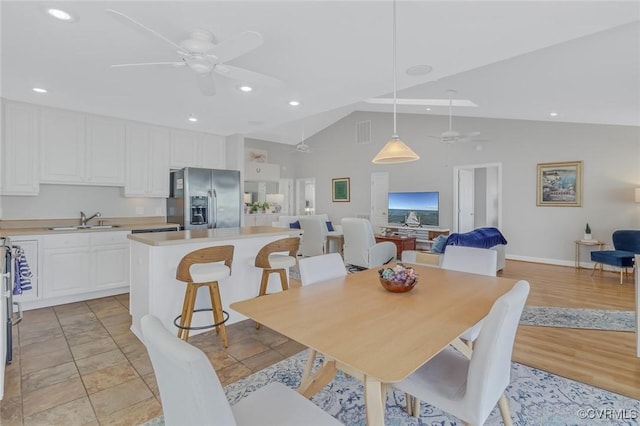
[39, 90]
[294, 103]
[61, 15]
[246, 88]
[421, 69]
[428, 109]
[192, 118]
[553, 114]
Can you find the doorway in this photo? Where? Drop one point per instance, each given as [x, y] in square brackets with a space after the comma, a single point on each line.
[305, 196]
[477, 196]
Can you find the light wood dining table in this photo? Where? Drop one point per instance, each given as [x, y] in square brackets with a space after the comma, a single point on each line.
[374, 335]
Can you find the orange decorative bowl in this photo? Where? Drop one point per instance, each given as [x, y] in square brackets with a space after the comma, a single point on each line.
[398, 286]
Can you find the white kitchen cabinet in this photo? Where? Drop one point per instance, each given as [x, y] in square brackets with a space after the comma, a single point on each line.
[83, 265]
[66, 265]
[30, 245]
[81, 149]
[185, 149]
[193, 149]
[105, 153]
[213, 151]
[62, 146]
[147, 161]
[20, 156]
[109, 260]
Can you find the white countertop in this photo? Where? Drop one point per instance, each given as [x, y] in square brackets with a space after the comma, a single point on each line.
[204, 235]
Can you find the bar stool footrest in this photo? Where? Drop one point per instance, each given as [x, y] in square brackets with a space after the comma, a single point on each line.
[225, 316]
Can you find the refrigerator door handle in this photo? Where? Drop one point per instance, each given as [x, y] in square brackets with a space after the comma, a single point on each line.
[215, 209]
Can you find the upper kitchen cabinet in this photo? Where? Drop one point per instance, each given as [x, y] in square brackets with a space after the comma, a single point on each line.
[147, 166]
[193, 149]
[20, 162]
[81, 149]
[105, 151]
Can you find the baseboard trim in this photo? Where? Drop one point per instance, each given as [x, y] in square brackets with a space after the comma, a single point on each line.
[585, 265]
[28, 305]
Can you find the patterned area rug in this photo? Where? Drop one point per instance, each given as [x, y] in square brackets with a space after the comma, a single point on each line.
[535, 398]
[594, 319]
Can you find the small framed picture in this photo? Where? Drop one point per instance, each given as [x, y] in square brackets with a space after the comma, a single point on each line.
[340, 190]
[560, 184]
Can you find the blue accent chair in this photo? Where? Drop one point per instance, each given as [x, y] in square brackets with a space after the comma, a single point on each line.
[626, 244]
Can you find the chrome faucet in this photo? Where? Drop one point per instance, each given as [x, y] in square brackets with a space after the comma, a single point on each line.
[84, 219]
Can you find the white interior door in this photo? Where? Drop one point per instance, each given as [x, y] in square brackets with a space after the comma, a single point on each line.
[465, 200]
[379, 199]
[305, 196]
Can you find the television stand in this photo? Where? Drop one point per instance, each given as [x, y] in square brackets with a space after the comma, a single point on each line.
[424, 234]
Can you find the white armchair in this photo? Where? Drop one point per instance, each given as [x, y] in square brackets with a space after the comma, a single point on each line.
[360, 247]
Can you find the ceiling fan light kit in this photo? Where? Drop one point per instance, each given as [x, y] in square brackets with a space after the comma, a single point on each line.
[395, 151]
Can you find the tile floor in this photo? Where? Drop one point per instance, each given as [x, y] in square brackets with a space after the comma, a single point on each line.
[79, 364]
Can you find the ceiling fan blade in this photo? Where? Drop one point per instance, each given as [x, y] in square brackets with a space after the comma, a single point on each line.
[232, 48]
[127, 19]
[175, 64]
[206, 83]
[421, 102]
[247, 76]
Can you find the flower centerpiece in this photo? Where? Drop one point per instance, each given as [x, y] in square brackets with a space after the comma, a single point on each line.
[398, 279]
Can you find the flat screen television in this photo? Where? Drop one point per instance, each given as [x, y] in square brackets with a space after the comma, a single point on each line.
[414, 208]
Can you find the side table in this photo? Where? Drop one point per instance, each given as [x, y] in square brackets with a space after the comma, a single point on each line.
[587, 243]
[402, 242]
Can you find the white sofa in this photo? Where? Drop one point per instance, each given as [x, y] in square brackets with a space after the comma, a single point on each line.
[435, 259]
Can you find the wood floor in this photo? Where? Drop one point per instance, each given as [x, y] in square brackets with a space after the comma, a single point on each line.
[605, 359]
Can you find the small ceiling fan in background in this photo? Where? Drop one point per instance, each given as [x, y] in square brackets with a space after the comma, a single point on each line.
[452, 136]
[201, 55]
[301, 146]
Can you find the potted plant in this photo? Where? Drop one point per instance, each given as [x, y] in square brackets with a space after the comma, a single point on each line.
[587, 232]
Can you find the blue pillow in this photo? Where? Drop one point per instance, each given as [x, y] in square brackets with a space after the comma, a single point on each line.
[438, 244]
[330, 226]
[295, 225]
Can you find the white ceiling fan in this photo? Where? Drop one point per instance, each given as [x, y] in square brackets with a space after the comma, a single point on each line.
[302, 147]
[452, 136]
[201, 55]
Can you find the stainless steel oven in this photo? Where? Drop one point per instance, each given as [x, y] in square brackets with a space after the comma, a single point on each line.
[8, 278]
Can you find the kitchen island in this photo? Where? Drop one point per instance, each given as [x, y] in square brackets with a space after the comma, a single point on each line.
[154, 258]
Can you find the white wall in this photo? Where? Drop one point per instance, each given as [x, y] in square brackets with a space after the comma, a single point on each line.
[610, 154]
[67, 201]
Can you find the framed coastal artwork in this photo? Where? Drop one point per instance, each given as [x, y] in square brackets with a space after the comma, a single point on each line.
[340, 191]
[560, 184]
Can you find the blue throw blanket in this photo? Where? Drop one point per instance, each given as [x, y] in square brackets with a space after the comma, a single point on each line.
[481, 238]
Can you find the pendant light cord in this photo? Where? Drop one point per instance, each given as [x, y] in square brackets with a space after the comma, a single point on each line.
[395, 134]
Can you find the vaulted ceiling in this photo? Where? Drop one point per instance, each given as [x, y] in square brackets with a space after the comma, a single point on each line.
[517, 59]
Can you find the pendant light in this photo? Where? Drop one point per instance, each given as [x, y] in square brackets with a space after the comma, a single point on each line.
[395, 151]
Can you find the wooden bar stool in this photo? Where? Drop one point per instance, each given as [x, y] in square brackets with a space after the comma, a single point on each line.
[271, 260]
[204, 268]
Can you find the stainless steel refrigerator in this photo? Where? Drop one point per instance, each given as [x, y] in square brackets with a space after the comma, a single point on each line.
[204, 198]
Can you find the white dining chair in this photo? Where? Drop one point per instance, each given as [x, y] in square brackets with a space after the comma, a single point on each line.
[470, 388]
[360, 247]
[473, 260]
[191, 393]
[314, 235]
[314, 270]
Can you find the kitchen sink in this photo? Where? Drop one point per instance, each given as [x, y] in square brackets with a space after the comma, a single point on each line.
[76, 228]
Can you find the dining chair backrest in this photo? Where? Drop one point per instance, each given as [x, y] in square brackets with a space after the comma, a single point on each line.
[321, 268]
[490, 366]
[190, 391]
[314, 235]
[470, 259]
[358, 238]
